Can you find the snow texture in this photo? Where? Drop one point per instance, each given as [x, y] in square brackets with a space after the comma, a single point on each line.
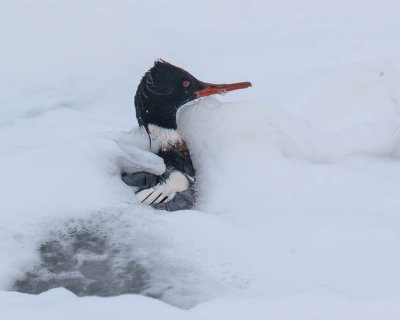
[298, 177]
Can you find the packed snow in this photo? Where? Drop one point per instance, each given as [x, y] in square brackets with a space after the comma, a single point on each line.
[298, 177]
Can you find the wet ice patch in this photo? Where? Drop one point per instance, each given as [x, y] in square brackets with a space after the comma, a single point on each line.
[85, 260]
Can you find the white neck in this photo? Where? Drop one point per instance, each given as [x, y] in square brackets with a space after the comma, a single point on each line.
[165, 138]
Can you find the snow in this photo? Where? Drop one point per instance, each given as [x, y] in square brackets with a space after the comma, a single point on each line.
[297, 177]
[304, 306]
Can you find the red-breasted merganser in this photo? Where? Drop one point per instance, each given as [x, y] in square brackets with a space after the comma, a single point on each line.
[161, 92]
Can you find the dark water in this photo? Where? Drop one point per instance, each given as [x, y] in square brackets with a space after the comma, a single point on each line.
[87, 263]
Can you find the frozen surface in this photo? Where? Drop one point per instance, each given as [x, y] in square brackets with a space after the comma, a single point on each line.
[298, 176]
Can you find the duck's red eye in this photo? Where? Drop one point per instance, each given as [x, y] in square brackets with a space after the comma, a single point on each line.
[186, 83]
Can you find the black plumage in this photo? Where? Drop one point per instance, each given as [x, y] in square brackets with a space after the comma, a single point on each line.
[161, 92]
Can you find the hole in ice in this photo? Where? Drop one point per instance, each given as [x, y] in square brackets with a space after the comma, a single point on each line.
[86, 263]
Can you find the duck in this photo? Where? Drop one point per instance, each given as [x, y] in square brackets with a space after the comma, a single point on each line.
[162, 92]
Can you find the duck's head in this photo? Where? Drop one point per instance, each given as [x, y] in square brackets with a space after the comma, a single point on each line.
[165, 88]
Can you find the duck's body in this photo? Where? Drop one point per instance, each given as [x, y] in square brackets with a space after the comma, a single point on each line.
[176, 183]
[161, 92]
